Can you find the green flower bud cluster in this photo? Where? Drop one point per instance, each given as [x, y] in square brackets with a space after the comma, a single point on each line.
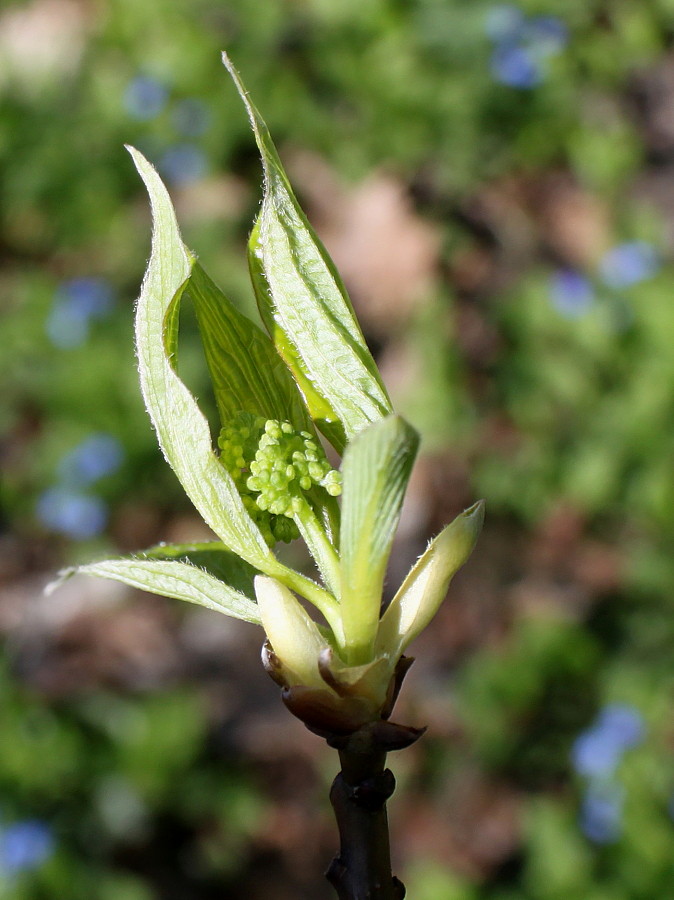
[273, 467]
[238, 442]
[286, 465]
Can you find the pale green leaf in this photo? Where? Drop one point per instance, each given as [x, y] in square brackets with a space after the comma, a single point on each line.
[319, 409]
[212, 557]
[171, 578]
[246, 371]
[376, 469]
[312, 315]
[424, 588]
[182, 429]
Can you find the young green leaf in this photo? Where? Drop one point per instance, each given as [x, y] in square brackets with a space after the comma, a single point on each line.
[246, 371]
[182, 429]
[424, 588]
[319, 409]
[216, 560]
[376, 469]
[174, 579]
[314, 325]
[213, 558]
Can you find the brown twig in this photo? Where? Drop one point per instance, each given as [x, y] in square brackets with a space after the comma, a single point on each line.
[362, 868]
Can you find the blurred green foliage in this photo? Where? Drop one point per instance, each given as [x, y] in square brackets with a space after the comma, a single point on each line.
[114, 777]
[547, 373]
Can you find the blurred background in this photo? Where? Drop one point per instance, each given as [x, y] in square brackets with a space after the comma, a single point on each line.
[496, 184]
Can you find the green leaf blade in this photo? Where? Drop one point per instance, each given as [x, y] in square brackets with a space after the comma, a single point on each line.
[246, 371]
[182, 429]
[335, 358]
[426, 584]
[376, 468]
[306, 301]
[318, 407]
[170, 578]
[211, 557]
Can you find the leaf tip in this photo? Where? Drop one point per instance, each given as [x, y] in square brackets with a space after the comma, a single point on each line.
[228, 64]
[236, 78]
[135, 154]
[475, 514]
[61, 577]
[257, 123]
[143, 165]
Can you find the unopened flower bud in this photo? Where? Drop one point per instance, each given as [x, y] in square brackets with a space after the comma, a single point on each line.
[272, 466]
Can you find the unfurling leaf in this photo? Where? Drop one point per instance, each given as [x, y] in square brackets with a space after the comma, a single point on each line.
[318, 406]
[182, 429]
[246, 371]
[375, 470]
[174, 579]
[424, 588]
[305, 306]
[213, 558]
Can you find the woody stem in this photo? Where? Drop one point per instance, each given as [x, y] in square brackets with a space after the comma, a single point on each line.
[362, 868]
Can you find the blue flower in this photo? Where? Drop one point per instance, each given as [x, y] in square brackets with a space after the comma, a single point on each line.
[623, 724]
[571, 293]
[522, 46]
[628, 264]
[191, 117]
[595, 754]
[183, 163]
[76, 302]
[64, 329]
[98, 455]
[72, 513]
[515, 66]
[145, 98]
[24, 846]
[89, 298]
[601, 813]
